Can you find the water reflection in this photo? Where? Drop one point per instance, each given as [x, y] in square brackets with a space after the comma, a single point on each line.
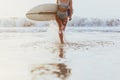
[58, 71]
[61, 51]
[64, 71]
[52, 71]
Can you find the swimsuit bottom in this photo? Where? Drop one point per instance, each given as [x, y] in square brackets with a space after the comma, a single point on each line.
[62, 15]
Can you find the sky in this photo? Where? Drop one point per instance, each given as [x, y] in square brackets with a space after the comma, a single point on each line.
[82, 8]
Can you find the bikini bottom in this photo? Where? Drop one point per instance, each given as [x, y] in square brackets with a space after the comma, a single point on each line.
[62, 15]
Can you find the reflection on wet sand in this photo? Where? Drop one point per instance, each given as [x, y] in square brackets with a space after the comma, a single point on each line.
[50, 72]
[53, 71]
[61, 51]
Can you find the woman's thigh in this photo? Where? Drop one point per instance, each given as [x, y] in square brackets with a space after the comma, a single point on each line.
[59, 21]
[64, 22]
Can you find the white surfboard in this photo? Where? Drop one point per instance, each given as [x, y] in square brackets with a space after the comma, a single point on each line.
[43, 12]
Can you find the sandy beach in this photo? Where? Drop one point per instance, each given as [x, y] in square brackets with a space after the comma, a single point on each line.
[36, 54]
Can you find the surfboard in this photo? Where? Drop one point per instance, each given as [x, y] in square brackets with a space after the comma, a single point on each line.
[43, 12]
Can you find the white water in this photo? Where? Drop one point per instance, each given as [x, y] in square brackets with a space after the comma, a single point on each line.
[75, 22]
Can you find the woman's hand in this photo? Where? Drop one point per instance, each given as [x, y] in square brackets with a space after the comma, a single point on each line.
[70, 18]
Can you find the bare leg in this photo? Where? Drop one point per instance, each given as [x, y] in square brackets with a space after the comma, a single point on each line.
[60, 29]
[64, 23]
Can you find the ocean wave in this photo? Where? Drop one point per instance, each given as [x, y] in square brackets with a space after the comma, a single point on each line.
[75, 22]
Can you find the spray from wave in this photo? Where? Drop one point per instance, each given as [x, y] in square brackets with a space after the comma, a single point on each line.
[76, 22]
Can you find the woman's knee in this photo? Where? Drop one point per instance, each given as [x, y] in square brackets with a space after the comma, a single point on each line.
[61, 31]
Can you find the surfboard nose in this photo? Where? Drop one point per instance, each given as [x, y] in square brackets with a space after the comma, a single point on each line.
[43, 12]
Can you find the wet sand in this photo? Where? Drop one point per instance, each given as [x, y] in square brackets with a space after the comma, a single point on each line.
[85, 56]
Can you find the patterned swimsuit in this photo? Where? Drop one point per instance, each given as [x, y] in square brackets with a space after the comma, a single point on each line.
[60, 14]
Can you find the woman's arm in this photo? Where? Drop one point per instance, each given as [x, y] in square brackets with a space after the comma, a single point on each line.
[71, 9]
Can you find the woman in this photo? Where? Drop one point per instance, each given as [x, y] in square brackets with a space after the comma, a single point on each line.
[64, 12]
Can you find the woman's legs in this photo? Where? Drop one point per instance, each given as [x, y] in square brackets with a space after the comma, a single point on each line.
[64, 23]
[61, 26]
